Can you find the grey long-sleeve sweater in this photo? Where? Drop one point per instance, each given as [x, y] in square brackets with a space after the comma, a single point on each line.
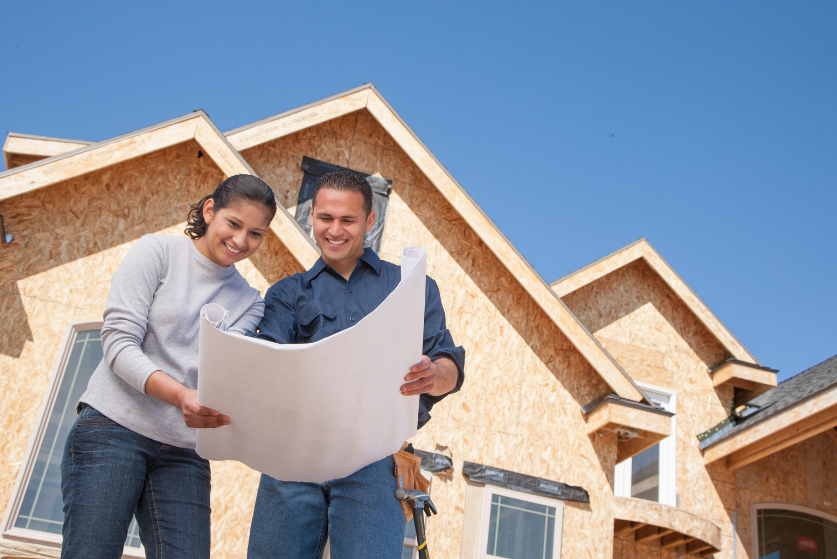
[151, 324]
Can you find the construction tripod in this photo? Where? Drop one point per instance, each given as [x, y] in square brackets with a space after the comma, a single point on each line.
[421, 505]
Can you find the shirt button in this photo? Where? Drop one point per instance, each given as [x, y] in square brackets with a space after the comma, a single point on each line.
[351, 319]
[316, 311]
[350, 291]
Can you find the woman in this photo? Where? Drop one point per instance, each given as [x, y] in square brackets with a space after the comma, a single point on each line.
[131, 450]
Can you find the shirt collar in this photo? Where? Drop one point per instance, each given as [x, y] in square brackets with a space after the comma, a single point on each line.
[368, 256]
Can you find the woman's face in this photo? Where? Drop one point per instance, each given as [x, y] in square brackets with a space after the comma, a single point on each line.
[233, 233]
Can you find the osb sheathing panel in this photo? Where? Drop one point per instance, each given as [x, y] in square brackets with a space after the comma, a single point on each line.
[658, 341]
[278, 162]
[803, 474]
[69, 239]
[520, 406]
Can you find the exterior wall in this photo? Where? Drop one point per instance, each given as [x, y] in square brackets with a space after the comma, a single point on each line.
[69, 239]
[803, 474]
[519, 408]
[658, 341]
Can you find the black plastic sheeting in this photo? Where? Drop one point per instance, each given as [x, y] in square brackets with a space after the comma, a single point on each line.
[313, 170]
[524, 483]
[432, 462]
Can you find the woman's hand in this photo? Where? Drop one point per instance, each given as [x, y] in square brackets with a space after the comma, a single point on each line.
[163, 387]
[196, 415]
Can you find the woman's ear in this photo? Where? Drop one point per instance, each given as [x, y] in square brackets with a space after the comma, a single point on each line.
[208, 209]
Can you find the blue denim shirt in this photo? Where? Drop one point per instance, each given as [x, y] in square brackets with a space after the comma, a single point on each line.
[313, 305]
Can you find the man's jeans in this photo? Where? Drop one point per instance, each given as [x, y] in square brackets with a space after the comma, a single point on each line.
[110, 473]
[359, 513]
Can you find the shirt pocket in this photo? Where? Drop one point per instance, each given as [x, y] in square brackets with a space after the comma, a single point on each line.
[312, 317]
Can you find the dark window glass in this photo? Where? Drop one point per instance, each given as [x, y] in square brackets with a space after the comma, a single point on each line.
[42, 506]
[313, 170]
[519, 529]
[645, 474]
[787, 534]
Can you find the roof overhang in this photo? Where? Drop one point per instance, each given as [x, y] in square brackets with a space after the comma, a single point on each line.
[195, 126]
[642, 249]
[22, 149]
[748, 380]
[662, 526]
[367, 97]
[791, 426]
[637, 426]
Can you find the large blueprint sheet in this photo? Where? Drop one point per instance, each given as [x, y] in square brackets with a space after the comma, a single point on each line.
[320, 411]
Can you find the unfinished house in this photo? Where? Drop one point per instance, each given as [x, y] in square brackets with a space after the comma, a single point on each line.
[609, 414]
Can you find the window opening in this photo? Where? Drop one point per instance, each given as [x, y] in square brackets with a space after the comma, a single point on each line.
[313, 170]
[651, 474]
[38, 506]
[794, 531]
[520, 526]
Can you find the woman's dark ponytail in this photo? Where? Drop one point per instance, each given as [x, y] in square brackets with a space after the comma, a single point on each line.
[244, 187]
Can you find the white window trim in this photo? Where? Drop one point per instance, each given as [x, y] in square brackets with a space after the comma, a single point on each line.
[754, 521]
[485, 516]
[36, 438]
[668, 456]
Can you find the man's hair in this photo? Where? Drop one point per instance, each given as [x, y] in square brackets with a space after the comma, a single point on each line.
[346, 180]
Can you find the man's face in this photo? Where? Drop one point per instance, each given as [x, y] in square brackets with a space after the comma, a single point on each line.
[339, 223]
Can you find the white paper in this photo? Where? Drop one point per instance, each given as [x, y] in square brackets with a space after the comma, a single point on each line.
[319, 411]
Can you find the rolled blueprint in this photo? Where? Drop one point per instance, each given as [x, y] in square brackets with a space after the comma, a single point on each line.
[319, 411]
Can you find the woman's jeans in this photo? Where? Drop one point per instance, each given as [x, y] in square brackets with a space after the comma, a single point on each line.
[359, 513]
[110, 474]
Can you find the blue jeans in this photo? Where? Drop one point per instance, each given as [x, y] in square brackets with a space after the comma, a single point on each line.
[110, 474]
[359, 513]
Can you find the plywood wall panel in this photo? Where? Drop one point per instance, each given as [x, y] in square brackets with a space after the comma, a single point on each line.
[24, 377]
[277, 162]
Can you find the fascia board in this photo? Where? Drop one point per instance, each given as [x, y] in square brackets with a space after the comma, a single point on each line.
[298, 119]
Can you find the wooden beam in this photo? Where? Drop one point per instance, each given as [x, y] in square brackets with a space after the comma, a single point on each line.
[769, 432]
[791, 435]
[708, 552]
[651, 533]
[675, 540]
[697, 547]
[626, 527]
[833, 434]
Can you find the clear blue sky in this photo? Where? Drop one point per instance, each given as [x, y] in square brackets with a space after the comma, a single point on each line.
[708, 127]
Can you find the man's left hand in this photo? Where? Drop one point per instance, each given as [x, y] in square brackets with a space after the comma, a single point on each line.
[422, 378]
[434, 378]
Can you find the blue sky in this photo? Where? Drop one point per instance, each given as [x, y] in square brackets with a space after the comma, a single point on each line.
[709, 127]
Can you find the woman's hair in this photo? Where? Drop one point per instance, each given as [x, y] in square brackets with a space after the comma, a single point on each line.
[237, 187]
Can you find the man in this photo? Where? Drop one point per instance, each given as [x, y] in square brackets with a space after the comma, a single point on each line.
[359, 512]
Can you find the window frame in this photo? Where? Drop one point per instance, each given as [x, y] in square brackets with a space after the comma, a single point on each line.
[485, 517]
[7, 528]
[754, 521]
[668, 455]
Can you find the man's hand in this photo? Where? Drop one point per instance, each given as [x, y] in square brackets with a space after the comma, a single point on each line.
[196, 415]
[436, 378]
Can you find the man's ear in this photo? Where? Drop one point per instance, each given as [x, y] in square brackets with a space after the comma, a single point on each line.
[370, 221]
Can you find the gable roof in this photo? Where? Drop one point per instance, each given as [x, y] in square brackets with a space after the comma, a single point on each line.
[795, 390]
[367, 97]
[195, 126]
[643, 249]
